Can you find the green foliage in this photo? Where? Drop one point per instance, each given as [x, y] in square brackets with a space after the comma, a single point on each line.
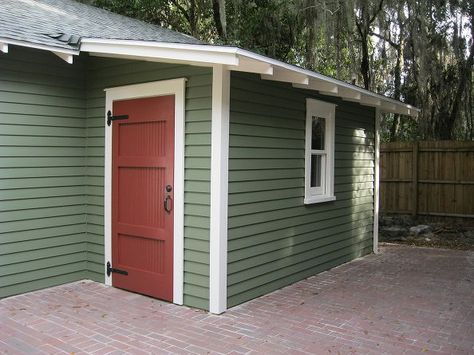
[417, 51]
[266, 26]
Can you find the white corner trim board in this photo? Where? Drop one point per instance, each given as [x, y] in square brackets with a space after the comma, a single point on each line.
[174, 87]
[376, 180]
[219, 189]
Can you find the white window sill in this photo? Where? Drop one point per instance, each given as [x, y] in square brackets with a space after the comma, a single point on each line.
[318, 199]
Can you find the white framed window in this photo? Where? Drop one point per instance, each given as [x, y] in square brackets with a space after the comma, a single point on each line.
[319, 157]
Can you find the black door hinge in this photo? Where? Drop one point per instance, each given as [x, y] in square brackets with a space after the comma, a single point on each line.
[111, 118]
[110, 270]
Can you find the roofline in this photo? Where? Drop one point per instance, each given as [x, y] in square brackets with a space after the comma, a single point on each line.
[63, 53]
[236, 59]
[193, 53]
[322, 77]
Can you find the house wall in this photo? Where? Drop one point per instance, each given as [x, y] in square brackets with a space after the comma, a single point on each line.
[103, 73]
[273, 238]
[42, 166]
[52, 165]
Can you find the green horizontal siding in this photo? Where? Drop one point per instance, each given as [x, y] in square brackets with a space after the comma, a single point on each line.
[105, 73]
[42, 167]
[52, 168]
[274, 239]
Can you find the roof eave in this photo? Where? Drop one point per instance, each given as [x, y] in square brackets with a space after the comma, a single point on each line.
[306, 79]
[235, 59]
[161, 51]
[238, 59]
[65, 54]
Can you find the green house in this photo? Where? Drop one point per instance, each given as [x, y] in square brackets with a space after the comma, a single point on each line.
[147, 160]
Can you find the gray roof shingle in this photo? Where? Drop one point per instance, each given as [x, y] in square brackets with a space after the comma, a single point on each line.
[62, 23]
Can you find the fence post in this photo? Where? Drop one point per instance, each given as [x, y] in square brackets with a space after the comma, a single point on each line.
[415, 149]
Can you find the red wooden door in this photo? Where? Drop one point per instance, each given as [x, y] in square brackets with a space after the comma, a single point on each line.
[142, 195]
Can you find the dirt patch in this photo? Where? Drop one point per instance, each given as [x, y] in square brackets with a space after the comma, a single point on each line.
[427, 232]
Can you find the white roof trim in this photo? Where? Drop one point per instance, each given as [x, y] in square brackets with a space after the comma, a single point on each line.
[319, 85]
[64, 54]
[287, 76]
[167, 51]
[314, 75]
[148, 59]
[3, 47]
[235, 59]
[252, 66]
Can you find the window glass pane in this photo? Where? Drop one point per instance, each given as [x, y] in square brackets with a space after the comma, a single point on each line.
[317, 137]
[316, 161]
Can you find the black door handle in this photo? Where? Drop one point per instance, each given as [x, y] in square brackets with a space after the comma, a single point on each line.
[167, 204]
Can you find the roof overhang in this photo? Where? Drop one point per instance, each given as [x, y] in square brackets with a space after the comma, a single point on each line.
[65, 54]
[235, 59]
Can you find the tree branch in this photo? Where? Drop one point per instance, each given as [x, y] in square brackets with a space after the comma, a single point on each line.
[182, 10]
[376, 13]
[389, 41]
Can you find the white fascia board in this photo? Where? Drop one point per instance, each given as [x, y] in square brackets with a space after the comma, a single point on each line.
[194, 47]
[68, 58]
[168, 51]
[55, 50]
[406, 110]
[288, 76]
[388, 106]
[370, 101]
[340, 84]
[3, 47]
[319, 85]
[346, 93]
[209, 55]
[249, 65]
[271, 69]
[148, 59]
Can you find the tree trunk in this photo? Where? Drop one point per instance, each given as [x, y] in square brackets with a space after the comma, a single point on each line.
[365, 64]
[464, 73]
[309, 52]
[397, 93]
[193, 18]
[218, 12]
[364, 24]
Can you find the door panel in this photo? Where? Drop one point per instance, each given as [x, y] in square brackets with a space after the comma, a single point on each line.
[142, 168]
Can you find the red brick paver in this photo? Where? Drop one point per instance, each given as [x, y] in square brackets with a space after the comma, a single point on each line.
[404, 300]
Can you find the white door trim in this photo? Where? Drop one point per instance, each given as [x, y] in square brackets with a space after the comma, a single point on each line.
[219, 189]
[174, 87]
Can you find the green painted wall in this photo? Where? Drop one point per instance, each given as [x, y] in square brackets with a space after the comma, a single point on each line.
[51, 177]
[42, 165]
[52, 164]
[274, 239]
[103, 73]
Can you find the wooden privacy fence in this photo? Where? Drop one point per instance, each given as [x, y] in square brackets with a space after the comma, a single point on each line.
[427, 178]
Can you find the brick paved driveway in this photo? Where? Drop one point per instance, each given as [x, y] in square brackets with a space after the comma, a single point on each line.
[411, 300]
